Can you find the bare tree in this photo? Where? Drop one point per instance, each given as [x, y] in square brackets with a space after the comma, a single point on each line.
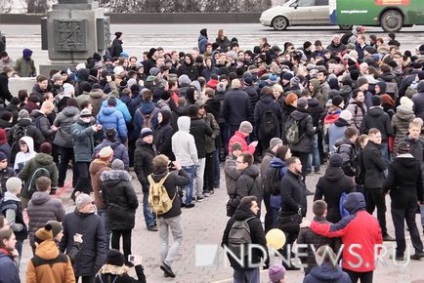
[37, 6]
[5, 6]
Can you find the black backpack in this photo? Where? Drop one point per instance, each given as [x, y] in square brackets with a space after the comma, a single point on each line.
[345, 37]
[274, 180]
[268, 127]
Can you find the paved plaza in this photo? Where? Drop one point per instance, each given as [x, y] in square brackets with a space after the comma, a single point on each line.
[204, 225]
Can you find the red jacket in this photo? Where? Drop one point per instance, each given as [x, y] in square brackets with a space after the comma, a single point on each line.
[241, 139]
[361, 235]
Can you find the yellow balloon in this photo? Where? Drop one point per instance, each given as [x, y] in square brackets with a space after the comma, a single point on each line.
[275, 238]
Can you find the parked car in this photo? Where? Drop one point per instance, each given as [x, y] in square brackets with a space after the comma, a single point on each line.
[298, 13]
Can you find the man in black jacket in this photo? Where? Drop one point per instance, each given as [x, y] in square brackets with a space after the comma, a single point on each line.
[375, 167]
[404, 182]
[247, 211]
[293, 202]
[377, 118]
[346, 149]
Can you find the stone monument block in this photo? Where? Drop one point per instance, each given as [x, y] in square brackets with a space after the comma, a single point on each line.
[70, 35]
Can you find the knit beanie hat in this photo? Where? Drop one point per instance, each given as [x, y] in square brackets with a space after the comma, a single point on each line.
[246, 127]
[118, 164]
[115, 257]
[275, 141]
[23, 114]
[44, 234]
[404, 147]
[3, 156]
[56, 227]
[106, 152]
[146, 132]
[46, 148]
[336, 160]
[82, 200]
[276, 273]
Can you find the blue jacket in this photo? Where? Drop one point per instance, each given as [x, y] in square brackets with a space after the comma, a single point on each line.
[119, 151]
[145, 108]
[327, 273]
[8, 270]
[111, 117]
[201, 43]
[122, 107]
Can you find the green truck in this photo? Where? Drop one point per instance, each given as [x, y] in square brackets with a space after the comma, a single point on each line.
[391, 15]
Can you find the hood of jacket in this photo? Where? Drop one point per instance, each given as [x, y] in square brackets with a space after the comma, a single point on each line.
[97, 165]
[147, 107]
[299, 114]
[267, 99]
[376, 111]
[345, 91]
[115, 176]
[251, 171]
[184, 123]
[334, 174]
[70, 111]
[326, 272]
[354, 202]
[277, 163]
[10, 196]
[29, 142]
[39, 198]
[341, 123]
[108, 110]
[243, 212]
[406, 160]
[96, 94]
[43, 158]
[47, 250]
[404, 113]
[166, 117]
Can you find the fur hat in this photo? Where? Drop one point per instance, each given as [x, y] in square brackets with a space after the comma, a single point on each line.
[246, 127]
[115, 257]
[82, 200]
[106, 152]
[145, 132]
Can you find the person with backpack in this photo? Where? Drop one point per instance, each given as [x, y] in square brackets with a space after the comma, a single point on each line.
[143, 157]
[299, 132]
[348, 151]
[146, 116]
[121, 205]
[242, 229]
[332, 185]
[11, 208]
[164, 186]
[41, 165]
[48, 263]
[23, 127]
[267, 117]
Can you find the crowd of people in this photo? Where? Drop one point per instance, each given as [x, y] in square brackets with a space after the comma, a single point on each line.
[355, 103]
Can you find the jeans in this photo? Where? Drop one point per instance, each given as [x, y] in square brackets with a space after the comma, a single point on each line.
[149, 217]
[83, 184]
[314, 157]
[18, 246]
[247, 276]
[375, 198]
[399, 216]
[190, 170]
[126, 241]
[169, 253]
[216, 170]
[198, 181]
[385, 151]
[422, 215]
[67, 154]
[103, 215]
